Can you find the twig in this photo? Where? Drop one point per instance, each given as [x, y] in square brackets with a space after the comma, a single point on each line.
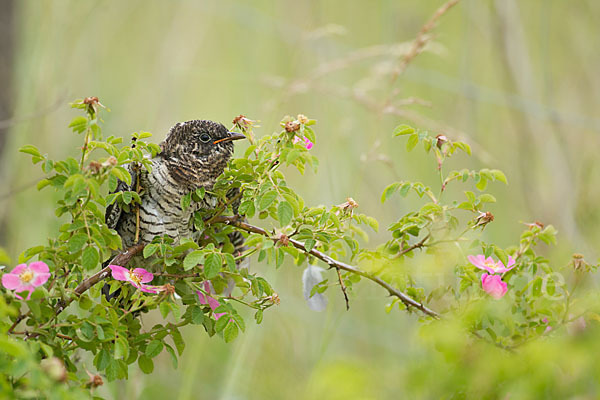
[421, 39]
[19, 319]
[177, 276]
[417, 245]
[60, 335]
[343, 288]
[406, 299]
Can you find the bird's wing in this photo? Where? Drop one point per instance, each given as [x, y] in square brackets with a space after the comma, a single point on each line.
[114, 210]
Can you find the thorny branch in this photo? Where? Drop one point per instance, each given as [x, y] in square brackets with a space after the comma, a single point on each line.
[406, 299]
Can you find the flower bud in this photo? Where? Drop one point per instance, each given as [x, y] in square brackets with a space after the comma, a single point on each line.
[292, 126]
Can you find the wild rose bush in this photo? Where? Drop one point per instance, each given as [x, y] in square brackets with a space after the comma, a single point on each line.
[483, 296]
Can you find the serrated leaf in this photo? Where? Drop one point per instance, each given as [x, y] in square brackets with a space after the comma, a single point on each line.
[154, 348]
[487, 198]
[285, 212]
[192, 259]
[150, 249]
[76, 242]
[403, 130]
[89, 258]
[413, 140]
[212, 265]
[230, 333]
[146, 364]
[499, 176]
[30, 149]
[266, 200]
[121, 174]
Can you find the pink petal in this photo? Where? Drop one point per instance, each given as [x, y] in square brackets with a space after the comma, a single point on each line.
[478, 261]
[213, 303]
[146, 276]
[493, 285]
[27, 288]
[296, 139]
[39, 267]
[146, 288]
[119, 273]
[511, 263]
[219, 315]
[31, 289]
[309, 144]
[40, 278]
[18, 269]
[11, 281]
[206, 299]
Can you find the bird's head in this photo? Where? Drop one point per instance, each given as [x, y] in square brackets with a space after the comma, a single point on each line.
[201, 146]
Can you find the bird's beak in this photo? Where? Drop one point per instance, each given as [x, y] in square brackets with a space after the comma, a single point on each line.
[232, 136]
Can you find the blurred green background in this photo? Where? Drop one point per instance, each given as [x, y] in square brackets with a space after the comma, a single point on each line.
[518, 80]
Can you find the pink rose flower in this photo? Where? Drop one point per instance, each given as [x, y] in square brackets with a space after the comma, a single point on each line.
[307, 143]
[25, 278]
[136, 277]
[493, 285]
[491, 266]
[211, 301]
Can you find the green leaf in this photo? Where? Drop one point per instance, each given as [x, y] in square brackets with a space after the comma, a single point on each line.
[258, 316]
[177, 339]
[194, 258]
[164, 309]
[79, 124]
[127, 197]
[102, 359]
[285, 212]
[185, 201]
[196, 314]
[499, 176]
[230, 333]
[309, 244]
[154, 348]
[412, 142]
[230, 260]
[173, 355]
[389, 190]
[501, 254]
[76, 242]
[121, 348]
[121, 174]
[146, 364]
[30, 149]
[212, 265]
[150, 249]
[403, 130]
[487, 198]
[266, 200]
[90, 258]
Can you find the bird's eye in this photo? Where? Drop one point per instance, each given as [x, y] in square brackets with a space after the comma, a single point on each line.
[204, 138]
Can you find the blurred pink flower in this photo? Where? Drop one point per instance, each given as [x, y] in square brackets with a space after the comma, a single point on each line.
[548, 328]
[307, 143]
[25, 278]
[493, 285]
[490, 265]
[211, 301]
[136, 277]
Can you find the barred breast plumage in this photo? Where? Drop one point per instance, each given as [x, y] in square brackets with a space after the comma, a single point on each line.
[193, 155]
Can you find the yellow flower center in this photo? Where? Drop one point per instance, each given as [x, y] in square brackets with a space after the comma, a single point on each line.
[26, 276]
[135, 277]
[491, 265]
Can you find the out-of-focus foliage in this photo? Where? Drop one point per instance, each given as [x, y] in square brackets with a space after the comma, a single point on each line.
[499, 75]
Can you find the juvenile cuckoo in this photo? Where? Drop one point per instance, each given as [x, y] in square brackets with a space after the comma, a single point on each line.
[192, 156]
